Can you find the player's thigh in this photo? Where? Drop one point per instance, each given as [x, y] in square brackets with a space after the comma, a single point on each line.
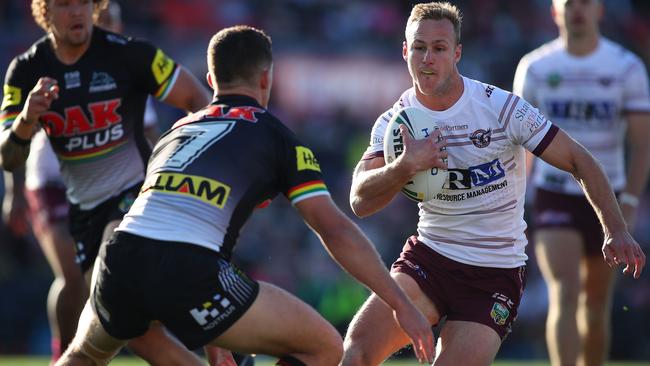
[467, 343]
[278, 324]
[58, 247]
[559, 252]
[91, 338]
[374, 332]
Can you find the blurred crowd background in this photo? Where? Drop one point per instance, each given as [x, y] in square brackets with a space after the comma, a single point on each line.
[338, 66]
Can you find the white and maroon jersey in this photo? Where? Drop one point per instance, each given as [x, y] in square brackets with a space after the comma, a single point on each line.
[477, 219]
[586, 97]
[42, 166]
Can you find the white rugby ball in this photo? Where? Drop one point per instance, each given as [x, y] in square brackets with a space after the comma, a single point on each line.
[426, 184]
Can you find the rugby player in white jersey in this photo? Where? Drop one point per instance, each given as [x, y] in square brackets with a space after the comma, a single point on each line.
[598, 93]
[467, 262]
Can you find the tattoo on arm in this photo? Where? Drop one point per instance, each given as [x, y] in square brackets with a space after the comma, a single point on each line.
[12, 153]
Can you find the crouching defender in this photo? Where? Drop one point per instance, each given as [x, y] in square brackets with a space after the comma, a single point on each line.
[169, 260]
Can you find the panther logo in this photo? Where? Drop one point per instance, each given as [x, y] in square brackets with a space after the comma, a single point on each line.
[481, 138]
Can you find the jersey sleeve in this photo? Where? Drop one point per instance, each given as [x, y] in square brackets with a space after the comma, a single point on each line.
[524, 124]
[154, 71]
[302, 174]
[375, 148]
[636, 94]
[14, 93]
[524, 82]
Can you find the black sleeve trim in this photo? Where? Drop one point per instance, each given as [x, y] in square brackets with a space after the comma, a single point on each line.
[18, 140]
[550, 135]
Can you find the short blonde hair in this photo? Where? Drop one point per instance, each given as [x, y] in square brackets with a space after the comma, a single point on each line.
[437, 11]
[40, 8]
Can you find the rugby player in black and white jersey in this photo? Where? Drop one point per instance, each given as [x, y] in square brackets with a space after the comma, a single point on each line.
[87, 88]
[44, 193]
[169, 259]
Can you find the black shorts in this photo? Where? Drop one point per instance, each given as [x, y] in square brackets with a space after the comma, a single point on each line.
[87, 226]
[559, 210]
[190, 289]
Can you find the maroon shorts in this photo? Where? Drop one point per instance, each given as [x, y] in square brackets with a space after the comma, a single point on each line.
[557, 210]
[462, 292]
[47, 205]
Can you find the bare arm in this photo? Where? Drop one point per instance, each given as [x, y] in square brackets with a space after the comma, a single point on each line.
[638, 163]
[374, 184]
[14, 142]
[188, 93]
[354, 253]
[14, 205]
[619, 247]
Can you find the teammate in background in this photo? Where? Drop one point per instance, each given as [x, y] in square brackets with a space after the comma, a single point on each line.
[195, 199]
[44, 193]
[468, 261]
[88, 91]
[598, 93]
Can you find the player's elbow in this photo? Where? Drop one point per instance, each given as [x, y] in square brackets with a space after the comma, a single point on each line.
[358, 206]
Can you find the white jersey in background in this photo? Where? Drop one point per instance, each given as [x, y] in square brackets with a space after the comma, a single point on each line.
[477, 219]
[586, 97]
[42, 166]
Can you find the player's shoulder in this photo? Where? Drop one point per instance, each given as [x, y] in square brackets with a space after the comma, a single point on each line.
[491, 97]
[34, 52]
[406, 99]
[548, 53]
[116, 41]
[619, 54]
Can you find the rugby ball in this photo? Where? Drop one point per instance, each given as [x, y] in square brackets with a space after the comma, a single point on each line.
[426, 184]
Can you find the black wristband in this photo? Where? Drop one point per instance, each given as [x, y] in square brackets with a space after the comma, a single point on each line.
[18, 140]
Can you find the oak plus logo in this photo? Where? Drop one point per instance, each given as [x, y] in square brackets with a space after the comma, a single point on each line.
[212, 312]
[100, 128]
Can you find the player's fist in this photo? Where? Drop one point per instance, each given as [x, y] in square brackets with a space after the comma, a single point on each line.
[39, 99]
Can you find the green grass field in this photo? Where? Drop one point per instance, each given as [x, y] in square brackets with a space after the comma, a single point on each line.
[128, 361]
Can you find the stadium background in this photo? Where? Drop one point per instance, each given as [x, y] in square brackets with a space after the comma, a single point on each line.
[338, 66]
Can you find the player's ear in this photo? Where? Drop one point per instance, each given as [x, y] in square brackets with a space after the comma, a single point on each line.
[601, 10]
[266, 78]
[553, 11]
[458, 51]
[405, 51]
[208, 77]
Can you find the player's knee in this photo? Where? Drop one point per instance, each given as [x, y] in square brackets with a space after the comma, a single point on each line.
[354, 355]
[566, 296]
[332, 347]
[75, 355]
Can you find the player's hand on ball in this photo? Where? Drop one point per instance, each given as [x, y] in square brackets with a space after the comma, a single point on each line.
[426, 153]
